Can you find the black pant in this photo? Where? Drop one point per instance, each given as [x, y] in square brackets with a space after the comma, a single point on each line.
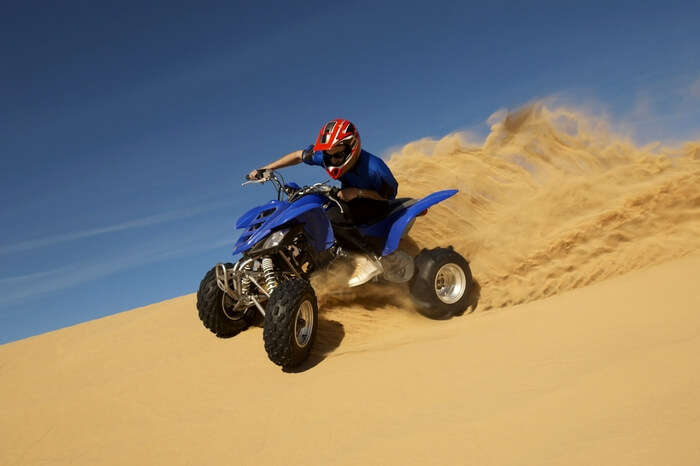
[360, 211]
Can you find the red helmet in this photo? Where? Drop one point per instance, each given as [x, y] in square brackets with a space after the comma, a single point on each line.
[342, 139]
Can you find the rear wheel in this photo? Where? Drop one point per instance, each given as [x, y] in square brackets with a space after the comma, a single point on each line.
[216, 309]
[442, 284]
[291, 319]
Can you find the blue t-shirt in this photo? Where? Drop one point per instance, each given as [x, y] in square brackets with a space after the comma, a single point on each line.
[369, 172]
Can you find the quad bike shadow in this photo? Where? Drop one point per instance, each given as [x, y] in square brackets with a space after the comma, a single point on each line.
[329, 335]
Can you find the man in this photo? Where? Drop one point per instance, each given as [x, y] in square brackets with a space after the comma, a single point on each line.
[367, 185]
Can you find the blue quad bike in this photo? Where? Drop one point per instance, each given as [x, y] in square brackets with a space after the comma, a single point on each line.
[285, 241]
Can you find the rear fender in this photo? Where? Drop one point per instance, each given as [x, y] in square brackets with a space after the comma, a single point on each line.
[405, 219]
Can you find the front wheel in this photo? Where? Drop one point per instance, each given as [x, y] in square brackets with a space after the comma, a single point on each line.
[442, 284]
[216, 309]
[291, 319]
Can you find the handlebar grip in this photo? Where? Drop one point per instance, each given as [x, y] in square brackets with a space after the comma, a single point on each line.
[258, 174]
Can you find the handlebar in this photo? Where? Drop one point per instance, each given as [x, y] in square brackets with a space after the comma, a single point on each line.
[264, 175]
[261, 175]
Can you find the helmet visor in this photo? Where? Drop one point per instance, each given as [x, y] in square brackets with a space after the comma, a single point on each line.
[337, 155]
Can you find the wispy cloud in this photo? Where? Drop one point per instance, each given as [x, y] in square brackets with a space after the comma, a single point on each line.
[18, 288]
[128, 225]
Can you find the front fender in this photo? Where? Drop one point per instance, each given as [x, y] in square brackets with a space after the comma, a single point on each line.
[247, 218]
[308, 211]
[399, 226]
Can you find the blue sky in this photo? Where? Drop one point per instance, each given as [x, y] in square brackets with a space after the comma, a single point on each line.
[125, 130]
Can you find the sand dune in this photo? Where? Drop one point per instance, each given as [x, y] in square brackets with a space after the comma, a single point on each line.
[556, 373]
[606, 374]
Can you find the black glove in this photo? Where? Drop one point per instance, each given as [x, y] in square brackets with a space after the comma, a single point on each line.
[258, 174]
[307, 154]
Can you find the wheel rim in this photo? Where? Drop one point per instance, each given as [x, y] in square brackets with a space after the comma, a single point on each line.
[229, 309]
[304, 324]
[450, 283]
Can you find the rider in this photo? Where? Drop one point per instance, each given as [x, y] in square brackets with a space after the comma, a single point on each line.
[367, 186]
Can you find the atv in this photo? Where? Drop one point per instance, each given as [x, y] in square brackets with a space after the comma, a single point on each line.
[285, 241]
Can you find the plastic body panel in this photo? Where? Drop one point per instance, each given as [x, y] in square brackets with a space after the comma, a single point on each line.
[308, 211]
[247, 218]
[260, 221]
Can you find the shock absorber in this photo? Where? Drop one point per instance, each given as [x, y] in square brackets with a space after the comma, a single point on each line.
[245, 280]
[269, 274]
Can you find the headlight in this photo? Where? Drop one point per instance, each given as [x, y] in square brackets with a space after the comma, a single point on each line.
[274, 239]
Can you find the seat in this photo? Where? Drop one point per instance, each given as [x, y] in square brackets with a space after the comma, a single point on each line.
[395, 206]
[399, 204]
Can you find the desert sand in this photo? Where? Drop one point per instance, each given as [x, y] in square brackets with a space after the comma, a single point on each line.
[606, 374]
[582, 348]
